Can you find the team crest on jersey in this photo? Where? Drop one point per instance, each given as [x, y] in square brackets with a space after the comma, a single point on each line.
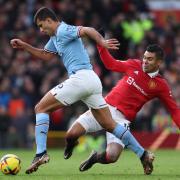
[152, 84]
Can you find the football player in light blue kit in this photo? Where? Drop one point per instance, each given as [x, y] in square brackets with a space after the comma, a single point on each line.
[82, 84]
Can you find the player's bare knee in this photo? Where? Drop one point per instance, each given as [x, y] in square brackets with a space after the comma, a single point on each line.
[113, 151]
[37, 108]
[112, 157]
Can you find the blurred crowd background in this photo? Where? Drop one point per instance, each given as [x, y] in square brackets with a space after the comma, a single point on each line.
[24, 79]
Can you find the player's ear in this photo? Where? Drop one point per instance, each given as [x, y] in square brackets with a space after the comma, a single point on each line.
[159, 61]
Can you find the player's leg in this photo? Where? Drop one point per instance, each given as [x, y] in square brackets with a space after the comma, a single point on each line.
[104, 118]
[128, 139]
[85, 123]
[146, 158]
[110, 155]
[147, 162]
[102, 114]
[46, 105]
[63, 94]
[72, 136]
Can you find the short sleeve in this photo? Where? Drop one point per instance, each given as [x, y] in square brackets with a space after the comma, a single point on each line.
[49, 47]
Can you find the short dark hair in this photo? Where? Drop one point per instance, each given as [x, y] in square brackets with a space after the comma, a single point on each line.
[154, 48]
[43, 13]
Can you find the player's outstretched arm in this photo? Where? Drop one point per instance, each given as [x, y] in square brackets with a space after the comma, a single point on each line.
[98, 38]
[170, 103]
[110, 62]
[40, 53]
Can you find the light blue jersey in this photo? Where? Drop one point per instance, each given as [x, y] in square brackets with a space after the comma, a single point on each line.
[69, 46]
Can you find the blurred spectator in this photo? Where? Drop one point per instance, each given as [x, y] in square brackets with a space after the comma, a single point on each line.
[16, 103]
[20, 124]
[5, 93]
[5, 122]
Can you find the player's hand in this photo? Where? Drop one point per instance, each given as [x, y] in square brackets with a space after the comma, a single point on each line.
[111, 44]
[17, 43]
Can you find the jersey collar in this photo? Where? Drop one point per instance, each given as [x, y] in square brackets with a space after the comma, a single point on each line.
[57, 28]
[153, 74]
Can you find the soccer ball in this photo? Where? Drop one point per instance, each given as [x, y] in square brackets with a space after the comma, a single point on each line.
[10, 164]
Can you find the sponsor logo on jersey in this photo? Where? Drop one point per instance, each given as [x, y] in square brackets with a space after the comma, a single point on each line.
[131, 81]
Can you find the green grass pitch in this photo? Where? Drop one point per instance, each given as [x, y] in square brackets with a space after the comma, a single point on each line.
[166, 166]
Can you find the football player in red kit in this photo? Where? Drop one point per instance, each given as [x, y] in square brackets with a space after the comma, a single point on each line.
[141, 83]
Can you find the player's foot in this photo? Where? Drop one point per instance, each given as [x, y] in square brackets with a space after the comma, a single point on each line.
[37, 161]
[87, 164]
[147, 162]
[69, 149]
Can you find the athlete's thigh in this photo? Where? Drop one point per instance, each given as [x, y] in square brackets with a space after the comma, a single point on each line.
[70, 91]
[94, 99]
[118, 116]
[48, 103]
[89, 123]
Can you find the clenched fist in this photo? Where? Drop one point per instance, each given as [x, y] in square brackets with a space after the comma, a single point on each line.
[18, 44]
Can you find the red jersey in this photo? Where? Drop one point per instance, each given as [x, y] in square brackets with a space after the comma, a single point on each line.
[136, 87]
